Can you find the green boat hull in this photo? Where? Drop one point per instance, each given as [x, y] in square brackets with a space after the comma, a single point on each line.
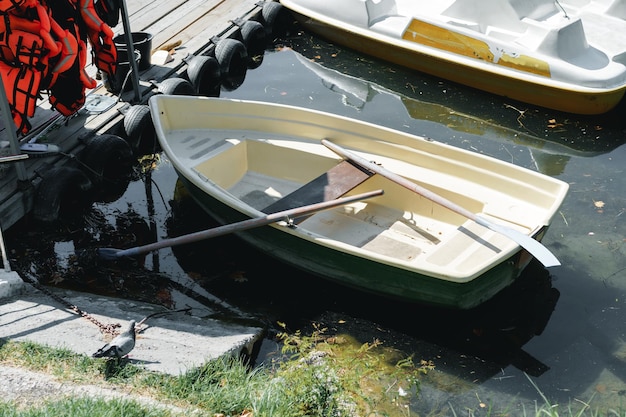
[361, 273]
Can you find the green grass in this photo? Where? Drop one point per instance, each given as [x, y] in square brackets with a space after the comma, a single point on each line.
[84, 407]
[323, 376]
[318, 375]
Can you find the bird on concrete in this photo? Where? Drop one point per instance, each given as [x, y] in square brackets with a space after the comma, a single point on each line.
[120, 346]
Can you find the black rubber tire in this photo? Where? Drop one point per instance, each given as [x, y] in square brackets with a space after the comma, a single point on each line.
[205, 75]
[108, 162]
[139, 130]
[62, 195]
[276, 19]
[232, 56]
[254, 38]
[106, 157]
[176, 86]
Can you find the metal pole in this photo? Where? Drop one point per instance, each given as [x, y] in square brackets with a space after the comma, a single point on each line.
[9, 126]
[5, 259]
[131, 51]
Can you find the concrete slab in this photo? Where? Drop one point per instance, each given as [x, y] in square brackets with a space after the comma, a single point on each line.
[170, 344]
[10, 283]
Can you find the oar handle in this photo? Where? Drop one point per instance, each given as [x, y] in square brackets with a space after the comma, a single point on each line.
[247, 224]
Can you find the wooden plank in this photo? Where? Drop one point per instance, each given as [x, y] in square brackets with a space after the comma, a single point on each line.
[148, 14]
[177, 21]
[136, 7]
[198, 36]
[332, 184]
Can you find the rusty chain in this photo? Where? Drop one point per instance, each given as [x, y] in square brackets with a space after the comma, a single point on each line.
[110, 329]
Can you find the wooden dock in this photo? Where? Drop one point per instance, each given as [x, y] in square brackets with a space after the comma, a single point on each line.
[194, 25]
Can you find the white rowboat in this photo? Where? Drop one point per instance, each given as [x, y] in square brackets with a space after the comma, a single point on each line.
[243, 159]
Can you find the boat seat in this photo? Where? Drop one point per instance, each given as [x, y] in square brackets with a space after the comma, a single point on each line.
[535, 9]
[332, 184]
[380, 9]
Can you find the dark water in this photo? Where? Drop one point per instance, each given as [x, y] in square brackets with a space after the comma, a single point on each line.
[563, 327]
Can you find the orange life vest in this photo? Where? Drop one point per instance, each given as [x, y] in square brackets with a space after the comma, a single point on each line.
[100, 36]
[22, 87]
[42, 44]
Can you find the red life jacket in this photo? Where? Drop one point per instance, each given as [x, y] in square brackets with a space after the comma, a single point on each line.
[7, 5]
[100, 37]
[22, 87]
[43, 47]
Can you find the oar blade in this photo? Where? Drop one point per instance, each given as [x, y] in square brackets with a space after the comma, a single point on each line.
[534, 247]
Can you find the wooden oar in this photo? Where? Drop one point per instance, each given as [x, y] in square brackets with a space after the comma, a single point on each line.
[112, 253]
[534, 247]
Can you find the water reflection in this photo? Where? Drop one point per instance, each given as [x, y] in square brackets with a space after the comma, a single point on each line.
[550, 156]
[564, 327]
[458, 107]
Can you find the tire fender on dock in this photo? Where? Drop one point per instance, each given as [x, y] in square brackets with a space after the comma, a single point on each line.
[108, 161]
[204, 74]
[232, 56]
[176, 86]
[254, 38]
[276, 19]
[63, 193]
[139, 130]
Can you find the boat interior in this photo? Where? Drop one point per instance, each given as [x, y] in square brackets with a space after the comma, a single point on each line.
[258, 157]
[400, 225]
[550, 27]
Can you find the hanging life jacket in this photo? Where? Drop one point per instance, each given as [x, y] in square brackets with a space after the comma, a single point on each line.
[100, 37]
[67, 87]
[22, 87]
[21, 40]
[7, 5]
[24, 54]
[108, 11]
[67, 95]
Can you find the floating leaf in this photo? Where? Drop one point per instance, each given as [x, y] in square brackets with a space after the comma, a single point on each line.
[552, 123]
[598, 204]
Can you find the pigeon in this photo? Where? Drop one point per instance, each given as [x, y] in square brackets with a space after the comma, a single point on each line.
[120, 346]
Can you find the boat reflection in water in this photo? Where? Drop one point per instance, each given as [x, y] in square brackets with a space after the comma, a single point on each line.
[550, 137]
[567, 57]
